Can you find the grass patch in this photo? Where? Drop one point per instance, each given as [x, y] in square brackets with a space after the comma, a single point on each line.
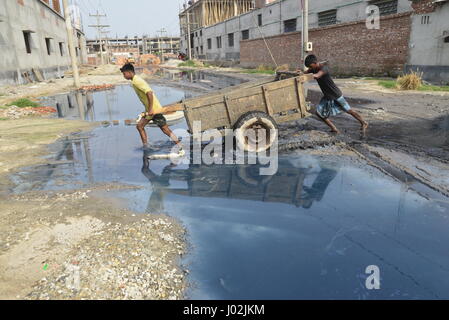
[410, 81]
[22, 103]
[3, 119]
[261, 70]
[428, 87]
[194, 64]
[389, 84]
[188, 63]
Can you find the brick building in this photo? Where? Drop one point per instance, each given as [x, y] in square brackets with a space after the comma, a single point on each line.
[412, 35]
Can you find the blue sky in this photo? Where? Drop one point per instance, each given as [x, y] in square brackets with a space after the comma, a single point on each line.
[132, 17]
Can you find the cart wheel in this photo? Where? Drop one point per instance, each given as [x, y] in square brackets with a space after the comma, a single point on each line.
[261, 123]
[251, 177]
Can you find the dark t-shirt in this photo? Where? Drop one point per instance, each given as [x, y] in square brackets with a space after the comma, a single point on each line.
[327, 85]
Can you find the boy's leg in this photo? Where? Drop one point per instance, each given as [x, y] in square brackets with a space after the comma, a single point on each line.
[329, 123]
[357, 116]
[160, 120]
[345, 106]
[165, 129]
[141, 128]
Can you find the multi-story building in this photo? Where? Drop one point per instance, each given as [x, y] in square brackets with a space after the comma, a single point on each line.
[33, 41]
[200, 14]
[133, 47]
[411, 35]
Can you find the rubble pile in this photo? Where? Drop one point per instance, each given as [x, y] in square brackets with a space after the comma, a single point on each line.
[14, 112]
[97, 87]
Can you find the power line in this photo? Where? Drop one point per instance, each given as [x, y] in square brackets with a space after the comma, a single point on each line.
[99, 28]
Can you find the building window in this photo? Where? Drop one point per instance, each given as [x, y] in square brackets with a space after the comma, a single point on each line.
[327, 18]
[245, 34]
[425, 19]
[201, 33]
[231, 40]
[201, 49]
[290, 25]
[386, 7]
[218, 42]
[27, 37]
[48, 44]
[209, 44]
[446, 39]
[61, 48]
[259, 19]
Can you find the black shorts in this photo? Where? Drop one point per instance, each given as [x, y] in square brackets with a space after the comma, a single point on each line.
[159, 120]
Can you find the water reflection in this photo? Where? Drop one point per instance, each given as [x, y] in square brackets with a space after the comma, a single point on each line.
[241, 182]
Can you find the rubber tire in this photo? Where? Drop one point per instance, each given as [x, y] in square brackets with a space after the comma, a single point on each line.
[246, 121]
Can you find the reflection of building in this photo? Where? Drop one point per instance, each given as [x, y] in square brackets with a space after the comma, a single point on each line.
[33, 41]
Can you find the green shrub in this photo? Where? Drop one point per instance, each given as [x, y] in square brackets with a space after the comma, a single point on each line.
[21, 103]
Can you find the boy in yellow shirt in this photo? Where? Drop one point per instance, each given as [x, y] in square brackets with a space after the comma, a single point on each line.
[153, 108]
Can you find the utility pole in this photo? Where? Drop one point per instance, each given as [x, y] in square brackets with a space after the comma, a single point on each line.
[305, 30]
[99, 27]
[73, 58]
[106, 44]
[189, 49]
[162, 31]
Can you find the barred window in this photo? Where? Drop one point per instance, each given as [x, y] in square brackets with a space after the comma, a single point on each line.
[386, 7]
[289, 25]
[245, 34]
[230, 40]
[327, 18]
[218, 42]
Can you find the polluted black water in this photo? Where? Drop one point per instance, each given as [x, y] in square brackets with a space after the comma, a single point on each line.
[315, 229]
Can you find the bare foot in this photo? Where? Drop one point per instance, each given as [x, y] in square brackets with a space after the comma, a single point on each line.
[364, 126]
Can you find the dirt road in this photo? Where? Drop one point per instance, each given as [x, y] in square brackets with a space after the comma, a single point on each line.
[49, 241]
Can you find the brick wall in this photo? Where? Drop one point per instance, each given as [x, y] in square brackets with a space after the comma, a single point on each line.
[350, 48]
[423, 6]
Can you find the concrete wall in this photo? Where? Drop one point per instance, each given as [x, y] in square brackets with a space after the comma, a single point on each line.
[429, 53]
[17, 16]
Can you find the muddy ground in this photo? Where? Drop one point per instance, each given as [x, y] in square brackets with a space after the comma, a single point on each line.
[50, 241]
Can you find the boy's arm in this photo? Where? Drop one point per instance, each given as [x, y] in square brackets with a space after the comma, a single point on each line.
[150, 103]
[308, 71]
[320, 73]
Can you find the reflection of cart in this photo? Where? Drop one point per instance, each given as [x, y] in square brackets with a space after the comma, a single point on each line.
[288, 185]
[253, 105]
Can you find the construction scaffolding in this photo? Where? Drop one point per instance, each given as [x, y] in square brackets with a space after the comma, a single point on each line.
[203, 13]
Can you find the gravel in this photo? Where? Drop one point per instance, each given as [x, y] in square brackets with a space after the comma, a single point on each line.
[121, 261]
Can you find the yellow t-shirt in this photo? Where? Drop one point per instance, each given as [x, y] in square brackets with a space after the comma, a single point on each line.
[142, 88]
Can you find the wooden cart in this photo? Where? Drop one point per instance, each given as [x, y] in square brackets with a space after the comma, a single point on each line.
[260, 104]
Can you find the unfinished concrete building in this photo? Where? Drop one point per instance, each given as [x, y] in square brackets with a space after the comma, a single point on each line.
[33, 41]
[411, 35]
[203, 13]
[132, 47]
